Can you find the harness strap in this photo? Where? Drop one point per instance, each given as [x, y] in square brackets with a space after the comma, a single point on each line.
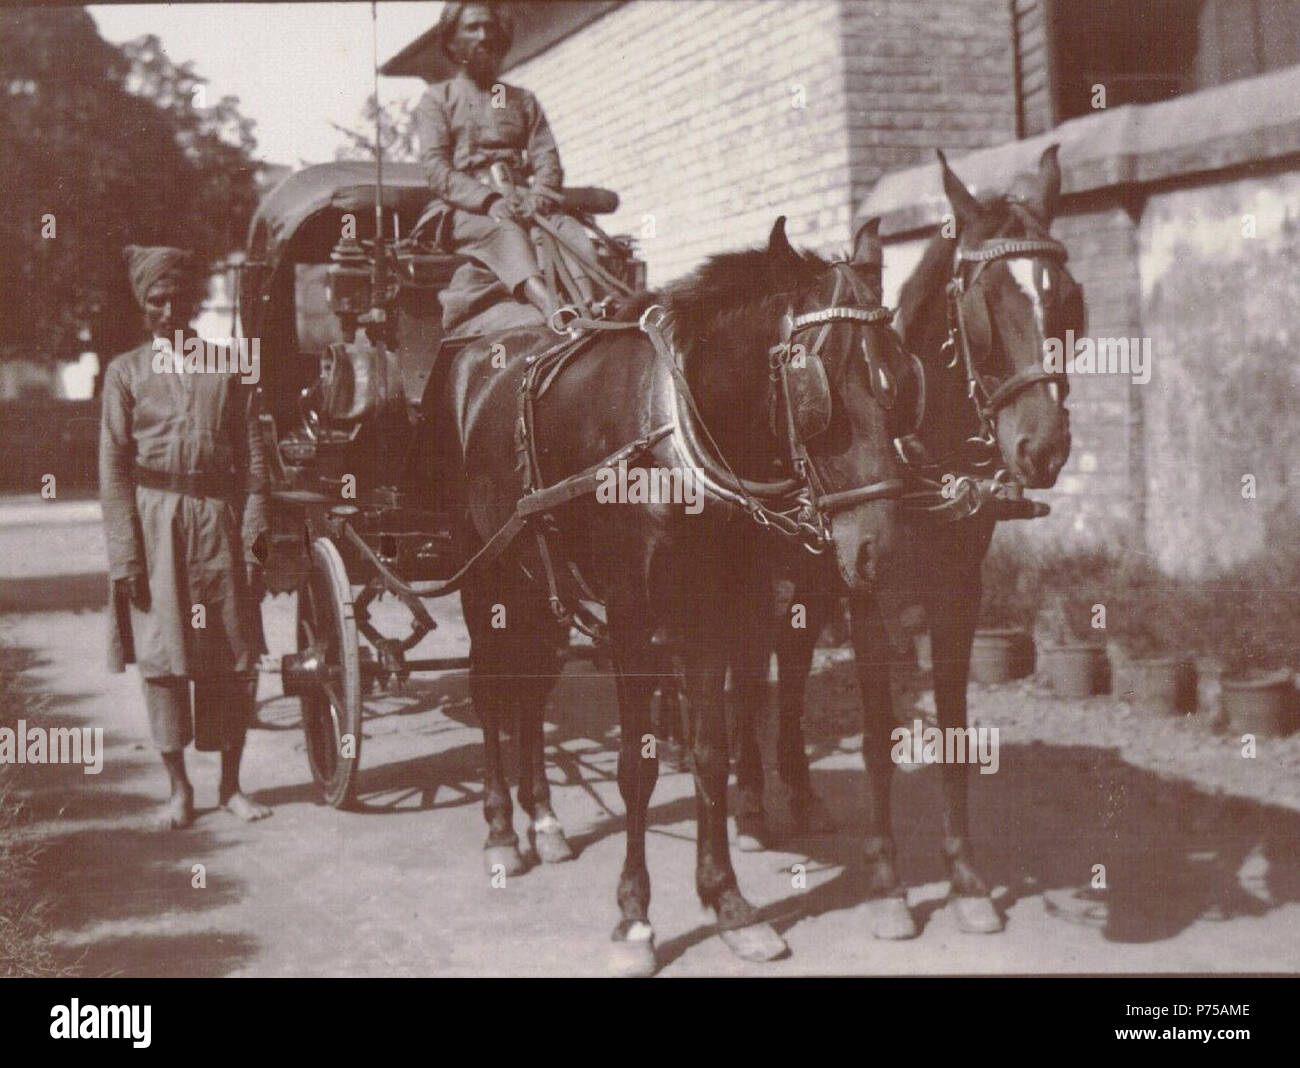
[542, 501]
[604, 277]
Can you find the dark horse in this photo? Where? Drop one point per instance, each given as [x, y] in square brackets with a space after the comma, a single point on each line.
[780, 352]
[989, 403]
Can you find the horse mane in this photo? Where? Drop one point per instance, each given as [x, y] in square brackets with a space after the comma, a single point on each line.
[929, 278]
[733, 296]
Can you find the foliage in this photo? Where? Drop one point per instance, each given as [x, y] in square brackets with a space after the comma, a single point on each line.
[1253, 614]
[1012, 594]
[396, 132]
[111, 143]
[1151, 614]
[1072, 583]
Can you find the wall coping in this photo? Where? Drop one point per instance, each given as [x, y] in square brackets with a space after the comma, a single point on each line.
[1248, 121]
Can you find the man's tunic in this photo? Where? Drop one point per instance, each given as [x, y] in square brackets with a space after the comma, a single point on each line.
[461, 135]
[192, 548]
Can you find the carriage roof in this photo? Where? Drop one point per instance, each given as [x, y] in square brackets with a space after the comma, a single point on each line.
[344, 186]
[299, 221]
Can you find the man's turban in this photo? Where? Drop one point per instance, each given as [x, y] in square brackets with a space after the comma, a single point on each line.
[147, 265]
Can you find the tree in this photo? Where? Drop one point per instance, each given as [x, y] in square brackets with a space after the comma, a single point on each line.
[103, 147]
[396, 132]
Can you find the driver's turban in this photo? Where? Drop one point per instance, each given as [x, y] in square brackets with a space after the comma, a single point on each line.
[449, 19]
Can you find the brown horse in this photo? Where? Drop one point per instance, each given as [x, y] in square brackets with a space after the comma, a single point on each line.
[977, 311]
[772, 410]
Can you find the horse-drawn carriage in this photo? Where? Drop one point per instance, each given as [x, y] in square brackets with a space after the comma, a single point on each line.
[776, 378]
[350, 334]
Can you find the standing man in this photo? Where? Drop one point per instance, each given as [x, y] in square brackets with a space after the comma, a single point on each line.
[182, 477]
[469, 123]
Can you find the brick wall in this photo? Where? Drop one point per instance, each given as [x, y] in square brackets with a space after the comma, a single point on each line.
[925, 74]
[688, 110]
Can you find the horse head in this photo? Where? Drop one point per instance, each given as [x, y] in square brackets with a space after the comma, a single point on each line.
[846, 381]
[1010, 292]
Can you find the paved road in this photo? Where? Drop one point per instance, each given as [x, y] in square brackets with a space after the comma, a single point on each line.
[1198, 883]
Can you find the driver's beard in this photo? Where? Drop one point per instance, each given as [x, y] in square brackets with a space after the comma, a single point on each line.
[483, 71]
[482, 64]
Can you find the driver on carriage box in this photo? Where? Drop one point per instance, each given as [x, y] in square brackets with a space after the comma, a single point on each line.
[469, 123]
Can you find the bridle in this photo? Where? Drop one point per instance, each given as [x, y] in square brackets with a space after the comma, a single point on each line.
[991, 395]
[798, 507]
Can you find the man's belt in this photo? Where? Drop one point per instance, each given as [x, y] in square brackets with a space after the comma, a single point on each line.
[222, 486]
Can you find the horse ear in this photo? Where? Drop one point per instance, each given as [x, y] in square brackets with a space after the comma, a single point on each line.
[964, 204]
[1048, 192]
[867, 250]
[779, 249]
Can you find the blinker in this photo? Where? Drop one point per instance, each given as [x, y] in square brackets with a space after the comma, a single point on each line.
[810, 397]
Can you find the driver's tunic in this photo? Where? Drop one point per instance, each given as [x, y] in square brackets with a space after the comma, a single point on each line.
[193, 548]
[460, 135]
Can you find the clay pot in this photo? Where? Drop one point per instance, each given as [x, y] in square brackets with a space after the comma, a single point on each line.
[1162, 686]
[1000, 655]
[1075, 670]
[1260, 702]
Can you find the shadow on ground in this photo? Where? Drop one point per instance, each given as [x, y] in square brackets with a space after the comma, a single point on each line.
[113, 873]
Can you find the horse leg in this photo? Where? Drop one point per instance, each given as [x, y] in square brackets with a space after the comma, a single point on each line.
[952, 629]
[794, 657]
[715, 879]
[487, 665]
[749, 661]
[636, 662]
[891, 918]
[535, 668]
[546, 834]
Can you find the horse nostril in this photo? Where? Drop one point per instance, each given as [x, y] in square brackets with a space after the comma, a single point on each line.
[1022, 455]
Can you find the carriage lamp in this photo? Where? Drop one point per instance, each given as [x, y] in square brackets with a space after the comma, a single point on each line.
[349, 279]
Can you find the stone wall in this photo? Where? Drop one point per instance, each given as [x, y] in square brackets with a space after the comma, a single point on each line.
[1180, 221]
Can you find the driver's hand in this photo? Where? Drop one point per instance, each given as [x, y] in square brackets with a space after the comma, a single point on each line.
[540, 204]
[503, 211]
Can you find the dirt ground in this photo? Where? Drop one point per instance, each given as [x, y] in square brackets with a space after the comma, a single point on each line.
[1201, 846]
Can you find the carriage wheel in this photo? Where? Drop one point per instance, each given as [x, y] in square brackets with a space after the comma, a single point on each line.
[331, 708]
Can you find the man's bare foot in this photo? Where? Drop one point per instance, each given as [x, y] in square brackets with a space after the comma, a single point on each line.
[239, 805]
[177, 812]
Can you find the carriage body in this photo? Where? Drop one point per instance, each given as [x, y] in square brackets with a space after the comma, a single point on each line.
[347, 355]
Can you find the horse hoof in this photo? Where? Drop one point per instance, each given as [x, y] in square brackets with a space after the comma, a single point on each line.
[503, 860]
[551, 845]
[892, 920]
[976, 915]
[811, 816]
[751, 832]
[757, 942]
[632, 955]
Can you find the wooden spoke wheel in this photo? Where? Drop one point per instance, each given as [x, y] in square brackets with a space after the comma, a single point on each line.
[330, 695]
